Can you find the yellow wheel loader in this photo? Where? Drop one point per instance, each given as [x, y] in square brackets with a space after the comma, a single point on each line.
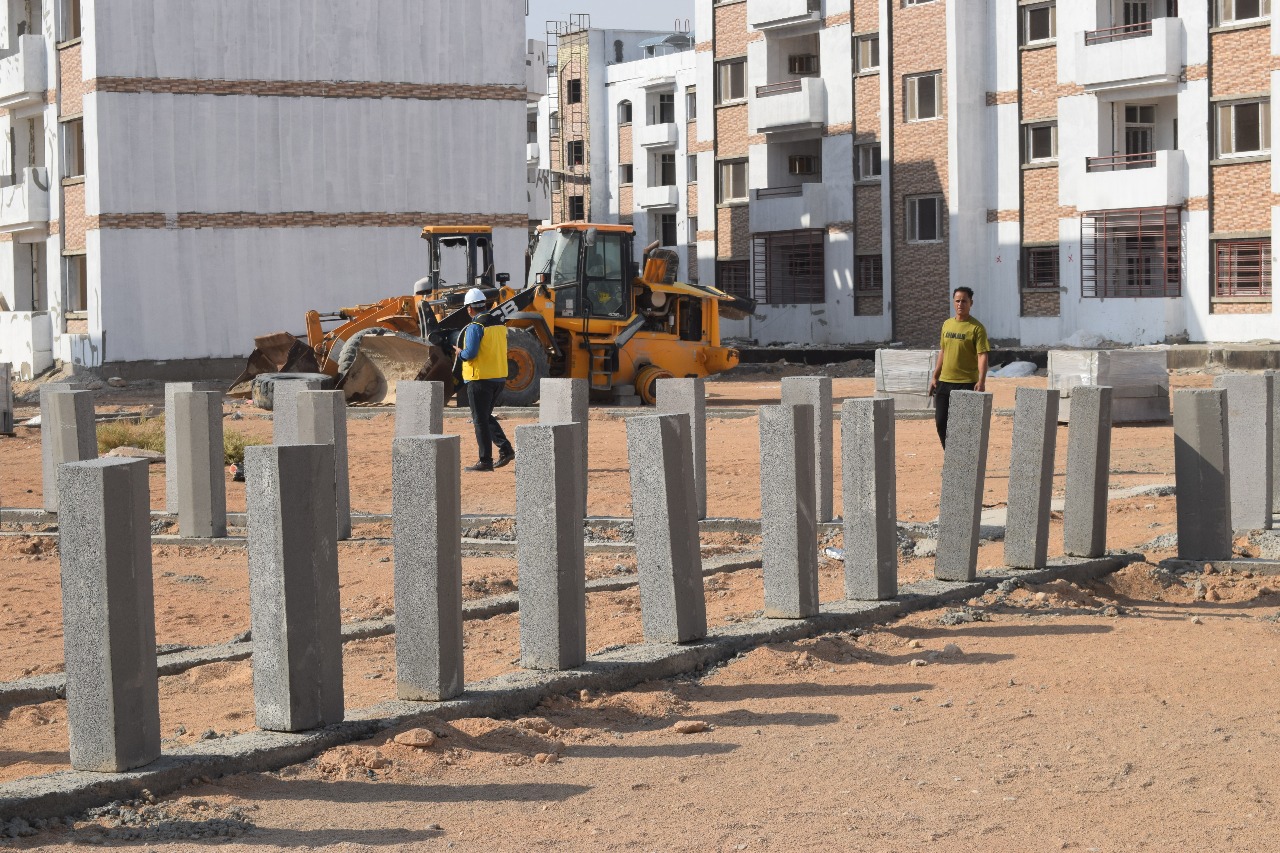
[587, 310]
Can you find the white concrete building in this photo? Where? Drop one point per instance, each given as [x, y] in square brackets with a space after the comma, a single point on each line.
[184, 175]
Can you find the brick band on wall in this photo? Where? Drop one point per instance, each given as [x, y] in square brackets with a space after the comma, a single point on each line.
[303, 219]
[304, 89]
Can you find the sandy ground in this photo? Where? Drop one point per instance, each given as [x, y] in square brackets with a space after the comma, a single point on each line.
[1065, 718]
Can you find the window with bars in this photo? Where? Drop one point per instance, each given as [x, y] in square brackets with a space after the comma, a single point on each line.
[1040, 268]
[1131, 253]
[734, 277]
[1242, 268]
[789, 267]
[871, 273]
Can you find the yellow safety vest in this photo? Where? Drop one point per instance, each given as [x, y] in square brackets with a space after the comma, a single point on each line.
[491, 361]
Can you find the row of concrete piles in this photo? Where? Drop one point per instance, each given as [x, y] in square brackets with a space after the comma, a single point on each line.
[297, 488]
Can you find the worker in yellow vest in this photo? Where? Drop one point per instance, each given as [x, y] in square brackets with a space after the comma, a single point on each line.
[483, 352]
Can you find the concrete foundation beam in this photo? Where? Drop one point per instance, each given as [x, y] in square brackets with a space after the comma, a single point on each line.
[689, 397]
[549, 549]
[1250, 403]
[665, 513]
[964, 471]
[567, 401]
[293, 587]
[788, 519]
[1084, 515]
[419, 408]
[1035, 442]
[426, 503]
[67, 434]
[870, 499]
[816, 391]
[108, 614]
[1202, 473]
[284, 409]
[197, 450]
[322, 419]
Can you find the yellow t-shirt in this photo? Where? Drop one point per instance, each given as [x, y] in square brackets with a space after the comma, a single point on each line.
[961, 343]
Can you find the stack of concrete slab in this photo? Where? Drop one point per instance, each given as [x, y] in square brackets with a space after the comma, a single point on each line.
[6, 398]
[1139, 380]
[903, 376]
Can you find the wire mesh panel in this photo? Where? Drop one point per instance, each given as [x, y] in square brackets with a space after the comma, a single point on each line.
[789, 267]
[1131, 253]
[1242, 268]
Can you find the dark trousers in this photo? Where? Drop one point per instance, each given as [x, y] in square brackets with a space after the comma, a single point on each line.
[942, 404]
[482, 396]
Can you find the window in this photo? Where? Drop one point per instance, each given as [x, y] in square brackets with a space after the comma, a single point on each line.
[871, 273]
[802, 64]
[575, 152]
[1040, 142]
[1040, 268]
[664, 111]
[924, 219]
[1231, 11]
[577, 207]
[731, 81]
[916, 2]
[602, 275]
[73, 148]
[691, 225]
[867, 53]
[664, 228]
[733, 181]
[573, 91]
[76, 278]
[691, 169]
[734, 277]
[531, 129]
[789, 267]
[922, 96]
[624, 112]
[1244, 127]
[868, 164]
[624, 173]
[664, 172]
[1131, 253]
[553, 124]
[555, 182]
[1039, 23]
[802, 164]
[1242, 268]
[70, 19]
[690, 104]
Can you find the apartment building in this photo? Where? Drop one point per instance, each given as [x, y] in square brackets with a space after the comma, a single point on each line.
[1084, 166]
[183, 176]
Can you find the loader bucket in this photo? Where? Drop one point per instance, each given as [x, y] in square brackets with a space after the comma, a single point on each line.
[278, 352]
[383, 360]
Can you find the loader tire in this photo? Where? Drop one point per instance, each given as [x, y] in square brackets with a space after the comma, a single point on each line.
[264, 386]
[526, 368]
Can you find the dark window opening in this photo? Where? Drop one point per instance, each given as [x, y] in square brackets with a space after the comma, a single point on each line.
[577, 208]
[734, 277]
[573, 92]
[871, 273]
[1040, 268]
[1131, 253]
[789, 267]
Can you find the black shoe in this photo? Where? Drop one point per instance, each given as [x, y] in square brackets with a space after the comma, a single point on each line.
[505, 457]
[480, 466]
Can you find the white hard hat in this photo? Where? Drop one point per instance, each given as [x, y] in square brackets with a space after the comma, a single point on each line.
[475, 296]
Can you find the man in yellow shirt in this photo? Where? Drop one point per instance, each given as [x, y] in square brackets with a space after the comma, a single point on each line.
[963, 363]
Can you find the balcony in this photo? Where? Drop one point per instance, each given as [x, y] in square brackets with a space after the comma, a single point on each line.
[1133, 55]
[658, 135]
[1158, 179]
[25, 206]
[789, 207]
[23, 76]
[648, 197]
[799, 104]
[532, 152]
[770, 14]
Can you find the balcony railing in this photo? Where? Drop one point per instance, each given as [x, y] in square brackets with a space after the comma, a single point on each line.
[779, 192]
[783, 88]
[23, 75]
[25, 205]
[1120, 162]
[1120, 33]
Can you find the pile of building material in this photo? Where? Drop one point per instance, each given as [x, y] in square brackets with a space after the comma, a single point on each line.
[1140, 379]
[903, 376]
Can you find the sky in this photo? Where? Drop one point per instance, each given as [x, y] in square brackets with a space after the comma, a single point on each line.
[617, 14]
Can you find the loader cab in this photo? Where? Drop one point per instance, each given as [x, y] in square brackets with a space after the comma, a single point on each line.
[588, 267]
[459, 257]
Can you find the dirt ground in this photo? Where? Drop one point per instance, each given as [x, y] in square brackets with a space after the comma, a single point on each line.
[1056, 717]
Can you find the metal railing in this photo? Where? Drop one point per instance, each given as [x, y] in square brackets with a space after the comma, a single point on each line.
[1120, 33]
[1120, 162]
[783, 88]
[779, 192]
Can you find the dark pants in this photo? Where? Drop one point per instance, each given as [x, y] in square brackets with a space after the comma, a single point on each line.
[942, 404]
[482, 396]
